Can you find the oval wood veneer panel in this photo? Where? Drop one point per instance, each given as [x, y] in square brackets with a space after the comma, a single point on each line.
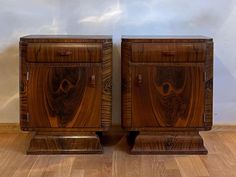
[169, 96]
[64, 97]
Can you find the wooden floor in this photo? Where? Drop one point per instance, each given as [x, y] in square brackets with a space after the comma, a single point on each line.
[116, 162]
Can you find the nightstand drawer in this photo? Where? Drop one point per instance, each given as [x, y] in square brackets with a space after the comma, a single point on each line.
[168, 52]
[64, 52]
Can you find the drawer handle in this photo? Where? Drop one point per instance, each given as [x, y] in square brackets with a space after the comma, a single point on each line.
[139, 80]
[92, 81]
[168, 53]
[64, 53]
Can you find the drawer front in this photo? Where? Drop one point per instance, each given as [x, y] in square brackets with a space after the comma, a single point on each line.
[64, 52]
[168, 52]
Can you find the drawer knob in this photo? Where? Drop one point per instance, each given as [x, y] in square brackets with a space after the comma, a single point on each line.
[92, 81]
[139, 79]
[64, 53]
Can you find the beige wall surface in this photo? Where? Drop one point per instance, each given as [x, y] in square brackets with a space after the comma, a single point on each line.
[215, 18]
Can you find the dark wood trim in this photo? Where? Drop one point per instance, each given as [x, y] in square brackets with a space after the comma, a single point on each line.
[65, 143]
[168, 143]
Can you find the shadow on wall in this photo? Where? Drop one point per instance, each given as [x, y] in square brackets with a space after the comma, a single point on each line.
[224, 93]
[9, 94]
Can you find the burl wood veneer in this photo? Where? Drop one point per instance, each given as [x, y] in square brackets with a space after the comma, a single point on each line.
[167, 88]
[65, 92]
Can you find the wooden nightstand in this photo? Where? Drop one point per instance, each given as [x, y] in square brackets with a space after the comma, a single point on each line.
[167, 87]
[65, 92]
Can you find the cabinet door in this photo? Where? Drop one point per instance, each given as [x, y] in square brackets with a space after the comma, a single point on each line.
[64, 96]
[167, 96]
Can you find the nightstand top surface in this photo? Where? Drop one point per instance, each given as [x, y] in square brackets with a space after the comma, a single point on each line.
[170, 38]
[67, 38]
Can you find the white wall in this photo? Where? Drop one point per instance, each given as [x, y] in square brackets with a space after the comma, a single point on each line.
[215, 18]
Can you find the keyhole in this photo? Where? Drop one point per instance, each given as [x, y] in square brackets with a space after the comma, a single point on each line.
[65, 86]
[166, 88]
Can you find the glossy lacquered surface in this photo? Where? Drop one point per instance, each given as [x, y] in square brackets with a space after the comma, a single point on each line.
[65, 86]
[167, 86]
[64, 52]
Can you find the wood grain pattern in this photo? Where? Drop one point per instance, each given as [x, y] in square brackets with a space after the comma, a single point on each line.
[65, 143]
[168, 143]
[64, 52]
[126, 111]
[209, 87]
[61, 97]
[115, 162]
[65, 86]
[167, 86]
[103, 80]
[23, 85]
[168, 96]
[168, 52]
[106, 108]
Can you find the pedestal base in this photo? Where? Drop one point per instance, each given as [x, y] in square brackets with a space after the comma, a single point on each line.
[65, 143]
[168, 143]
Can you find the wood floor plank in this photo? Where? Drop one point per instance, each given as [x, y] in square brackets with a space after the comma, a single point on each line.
[132, 166]
[185, 166]
[13, 155]
[25, 166]
[77, 173]
[170, 163]
[149, 166]
[39, 167]
[116, 162]
[119, 159]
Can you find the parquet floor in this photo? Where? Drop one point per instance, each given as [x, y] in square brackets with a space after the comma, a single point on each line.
[116, 162]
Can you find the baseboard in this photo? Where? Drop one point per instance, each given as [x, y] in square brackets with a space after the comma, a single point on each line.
[15, 128]
[224, 127]
[10, 128]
